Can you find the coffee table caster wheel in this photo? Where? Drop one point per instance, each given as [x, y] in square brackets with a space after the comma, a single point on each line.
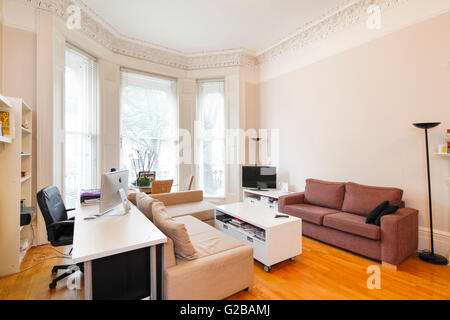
[292, 259]
[52, 285]
[267, 269]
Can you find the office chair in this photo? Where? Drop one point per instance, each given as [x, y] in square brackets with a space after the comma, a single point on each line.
[59, 227]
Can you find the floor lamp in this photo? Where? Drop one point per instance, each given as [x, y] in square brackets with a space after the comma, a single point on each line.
[257, 140]
[430, 256]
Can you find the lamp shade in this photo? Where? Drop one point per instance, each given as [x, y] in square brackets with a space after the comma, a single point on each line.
[427, 125]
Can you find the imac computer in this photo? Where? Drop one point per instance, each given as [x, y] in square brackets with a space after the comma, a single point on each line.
[114, 193]
[113, 200]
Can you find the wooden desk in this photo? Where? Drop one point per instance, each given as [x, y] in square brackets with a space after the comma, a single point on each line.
[122, 255]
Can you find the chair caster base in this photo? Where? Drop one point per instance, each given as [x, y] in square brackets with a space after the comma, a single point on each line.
[267, 269]
[292, 259]
[52, 285]
[54, 270]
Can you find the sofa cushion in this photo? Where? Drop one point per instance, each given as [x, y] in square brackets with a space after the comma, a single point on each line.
[205, 239]
[373, 215]
[352, 223]
[202, 210]
[173, 198]
[324, 193]
[360, 199]
[145, 204]
[308, 212]
[175, 230]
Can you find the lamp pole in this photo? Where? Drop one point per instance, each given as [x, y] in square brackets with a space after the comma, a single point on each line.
[430, 205]
[430, 256]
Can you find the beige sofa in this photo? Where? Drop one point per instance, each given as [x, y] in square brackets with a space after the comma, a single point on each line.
[223, 267]
[185, 203]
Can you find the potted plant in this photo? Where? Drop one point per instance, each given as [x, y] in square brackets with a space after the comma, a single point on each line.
[142, 165]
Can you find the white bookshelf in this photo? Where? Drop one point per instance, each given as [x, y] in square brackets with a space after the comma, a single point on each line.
[445, 155]
[16, 157]
[5, 139]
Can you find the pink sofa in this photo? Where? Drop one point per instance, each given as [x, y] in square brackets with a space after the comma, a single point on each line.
[335, 213]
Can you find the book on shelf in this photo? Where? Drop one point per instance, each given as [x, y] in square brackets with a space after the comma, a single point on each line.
[237, 221]
[4, 119]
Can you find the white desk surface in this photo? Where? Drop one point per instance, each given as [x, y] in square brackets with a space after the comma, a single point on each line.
[257, 215]
[110, 235]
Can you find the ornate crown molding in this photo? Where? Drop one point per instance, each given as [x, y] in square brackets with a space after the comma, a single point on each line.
[348, 13]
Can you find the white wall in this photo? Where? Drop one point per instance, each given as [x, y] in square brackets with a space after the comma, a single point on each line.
[349, 117]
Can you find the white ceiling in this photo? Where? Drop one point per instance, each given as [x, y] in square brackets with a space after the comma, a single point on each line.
[192, 26]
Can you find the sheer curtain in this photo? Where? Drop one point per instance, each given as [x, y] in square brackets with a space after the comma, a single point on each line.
[210, 140]
[81, 167]
[149, 123]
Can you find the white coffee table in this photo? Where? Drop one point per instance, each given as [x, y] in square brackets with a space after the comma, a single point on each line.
[283, 236]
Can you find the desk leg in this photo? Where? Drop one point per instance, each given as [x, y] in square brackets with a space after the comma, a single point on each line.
[156, 272]
[153, 285]
[88, 280]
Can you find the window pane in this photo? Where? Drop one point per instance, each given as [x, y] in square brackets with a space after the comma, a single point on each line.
[149, 123]
[214, 168]
[211, 142]
[80, 125]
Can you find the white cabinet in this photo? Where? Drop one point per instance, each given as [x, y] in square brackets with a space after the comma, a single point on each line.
[283, 236]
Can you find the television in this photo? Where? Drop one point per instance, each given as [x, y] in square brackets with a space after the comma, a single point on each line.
[259, 177]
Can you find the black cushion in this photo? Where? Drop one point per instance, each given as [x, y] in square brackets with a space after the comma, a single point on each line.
[373, 215]
[389, 210]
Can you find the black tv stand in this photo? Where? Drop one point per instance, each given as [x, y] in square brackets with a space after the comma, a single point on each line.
[259, 189]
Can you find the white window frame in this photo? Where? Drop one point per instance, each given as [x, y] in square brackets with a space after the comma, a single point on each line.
[94, 132]
[198, 146]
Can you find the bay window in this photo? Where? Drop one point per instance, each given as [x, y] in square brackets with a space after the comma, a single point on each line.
[149, 125]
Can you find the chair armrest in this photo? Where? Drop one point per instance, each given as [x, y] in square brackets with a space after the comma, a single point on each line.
[61, 223]
[294, 198]
[399, 235]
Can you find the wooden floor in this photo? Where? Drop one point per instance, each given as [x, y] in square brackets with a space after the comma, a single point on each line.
[321, 272]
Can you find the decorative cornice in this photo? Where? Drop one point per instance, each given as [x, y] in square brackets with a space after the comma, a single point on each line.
[348, 13]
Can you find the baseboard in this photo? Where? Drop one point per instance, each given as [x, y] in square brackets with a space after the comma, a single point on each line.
[441, 241]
